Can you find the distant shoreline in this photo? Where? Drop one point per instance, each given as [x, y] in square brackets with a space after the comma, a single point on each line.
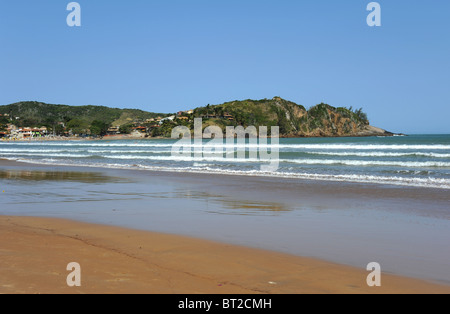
[134, 138]
[108, 137]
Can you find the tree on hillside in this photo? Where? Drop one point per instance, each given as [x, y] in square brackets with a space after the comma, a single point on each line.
[362, 116]
[126, 128]
[77, 126]
[3, 123]
[59, 130]
[99, 128]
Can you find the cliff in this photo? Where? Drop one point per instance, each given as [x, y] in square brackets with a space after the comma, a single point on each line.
[294, 120]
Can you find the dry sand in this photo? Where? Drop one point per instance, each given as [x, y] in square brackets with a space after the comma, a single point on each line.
[34, 253]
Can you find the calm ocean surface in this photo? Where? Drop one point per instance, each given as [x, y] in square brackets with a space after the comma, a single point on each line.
[416, 160]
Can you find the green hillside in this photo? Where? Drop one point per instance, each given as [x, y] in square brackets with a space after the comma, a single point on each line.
[294, 120]
[31, 113]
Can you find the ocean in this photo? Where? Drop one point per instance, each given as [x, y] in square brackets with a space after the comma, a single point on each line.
[415, 160]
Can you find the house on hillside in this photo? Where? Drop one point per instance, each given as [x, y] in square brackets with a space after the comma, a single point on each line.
[228, 117]
[209, 116]
[140, 129]
[171, 118]
[36, 132]
[12, 127]
[114, 130]
[25, 133]
[187, 112]
[12, 130]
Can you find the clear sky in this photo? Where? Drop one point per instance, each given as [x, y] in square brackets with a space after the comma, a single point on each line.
[170, 55]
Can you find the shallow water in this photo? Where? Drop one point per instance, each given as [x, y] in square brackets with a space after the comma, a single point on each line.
[70, 176]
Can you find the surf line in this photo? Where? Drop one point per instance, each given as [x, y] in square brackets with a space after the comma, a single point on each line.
[236, 137]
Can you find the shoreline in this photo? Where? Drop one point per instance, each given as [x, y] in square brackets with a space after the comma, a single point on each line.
[66, 139]
[314, 193]
[121, 137]
[288, 176]
[36, 251]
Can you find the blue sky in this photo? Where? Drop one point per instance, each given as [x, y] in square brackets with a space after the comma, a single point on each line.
[171, 55]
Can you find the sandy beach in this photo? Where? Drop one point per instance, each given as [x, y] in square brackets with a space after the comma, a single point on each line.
[35, 252]
[136, 231]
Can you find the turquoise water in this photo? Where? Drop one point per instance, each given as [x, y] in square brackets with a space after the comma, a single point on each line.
[416, 160]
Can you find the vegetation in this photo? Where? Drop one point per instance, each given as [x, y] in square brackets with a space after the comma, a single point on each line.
[165, 130]
[99, 128]
[126, 128]
[78, 126]
[292, 119]
[3, 123]
[79, 118]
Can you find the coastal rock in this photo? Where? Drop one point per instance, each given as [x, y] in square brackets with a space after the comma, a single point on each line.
[294, 120]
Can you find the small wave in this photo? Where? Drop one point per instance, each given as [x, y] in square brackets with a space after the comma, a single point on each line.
[409, 164]
[200, 164]
[238, 145]
[26, 150]
[220, 158]
[297, 161]
[62, 155]
[401, 181]
[186, 158]
[94, 151]
[380, 154]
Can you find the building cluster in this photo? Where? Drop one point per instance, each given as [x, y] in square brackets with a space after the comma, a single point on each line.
[13, 131]
[137, 126]
[225, 116]
[146, 127]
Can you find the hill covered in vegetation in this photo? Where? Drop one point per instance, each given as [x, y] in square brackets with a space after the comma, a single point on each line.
[78, 118]
[294, 120]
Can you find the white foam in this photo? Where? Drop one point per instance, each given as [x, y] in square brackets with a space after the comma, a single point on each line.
[26, 150]
[407, 164]
[297, 161]
[401, 181]
[380, 154]
[268, 146]
[356, 163]
[61, 155]
[185, 158]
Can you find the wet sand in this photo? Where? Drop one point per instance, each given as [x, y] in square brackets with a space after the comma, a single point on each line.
[34, 253]
[273, 222]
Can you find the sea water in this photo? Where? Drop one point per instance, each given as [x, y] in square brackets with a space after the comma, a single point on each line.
[415, 160]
